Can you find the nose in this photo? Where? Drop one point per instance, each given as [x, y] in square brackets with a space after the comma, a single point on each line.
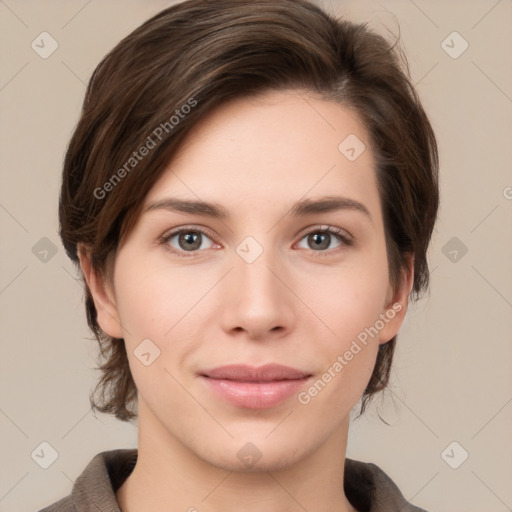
[257, 299]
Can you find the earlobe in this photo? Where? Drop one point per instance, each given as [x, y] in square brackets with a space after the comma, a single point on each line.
[397, 303]
[103, 295]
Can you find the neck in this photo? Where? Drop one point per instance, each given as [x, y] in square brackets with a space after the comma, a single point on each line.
[169, 477]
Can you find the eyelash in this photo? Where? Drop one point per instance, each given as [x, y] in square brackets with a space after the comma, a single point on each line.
[339, 233]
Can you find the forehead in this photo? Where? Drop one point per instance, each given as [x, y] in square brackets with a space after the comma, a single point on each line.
[276, 147]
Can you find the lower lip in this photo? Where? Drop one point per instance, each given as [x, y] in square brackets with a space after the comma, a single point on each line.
[255, 395]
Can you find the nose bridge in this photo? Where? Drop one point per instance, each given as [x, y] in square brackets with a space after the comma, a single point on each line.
[258, 299]
[256, 266]
[257, 276]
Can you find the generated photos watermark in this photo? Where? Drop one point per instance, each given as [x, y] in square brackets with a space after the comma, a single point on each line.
[305, 397]
[152, 141]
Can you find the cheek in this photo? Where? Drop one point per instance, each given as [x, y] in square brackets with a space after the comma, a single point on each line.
[162, 304]
[350, 309]
[349, 303]
[349, 299]
[150, 296]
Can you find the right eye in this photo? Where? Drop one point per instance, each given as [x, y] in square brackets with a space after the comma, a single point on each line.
[188, 240]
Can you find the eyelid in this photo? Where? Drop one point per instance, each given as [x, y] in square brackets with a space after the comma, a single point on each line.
[192, 227]
[343, 233]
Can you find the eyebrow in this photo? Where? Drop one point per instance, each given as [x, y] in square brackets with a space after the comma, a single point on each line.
[299, 209]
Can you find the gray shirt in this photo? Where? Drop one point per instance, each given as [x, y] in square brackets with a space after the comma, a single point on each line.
[366, 486]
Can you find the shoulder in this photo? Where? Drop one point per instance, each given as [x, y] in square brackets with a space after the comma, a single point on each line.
[370, 489]
[63, 505]
[95, 487]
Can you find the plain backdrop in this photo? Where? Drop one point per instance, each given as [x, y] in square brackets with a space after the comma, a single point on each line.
[451, 390]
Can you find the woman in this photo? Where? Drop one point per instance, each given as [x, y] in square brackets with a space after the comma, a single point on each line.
[249, 193]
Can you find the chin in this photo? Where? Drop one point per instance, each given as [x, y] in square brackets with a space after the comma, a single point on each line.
[259, 456]
[263, 465]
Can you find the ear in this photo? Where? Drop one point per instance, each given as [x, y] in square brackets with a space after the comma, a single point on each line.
[103, 295]
[397, 301]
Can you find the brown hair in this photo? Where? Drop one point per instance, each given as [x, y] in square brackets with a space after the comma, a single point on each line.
[199, 54]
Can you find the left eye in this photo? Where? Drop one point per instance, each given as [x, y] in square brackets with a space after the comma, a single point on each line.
[321, 239]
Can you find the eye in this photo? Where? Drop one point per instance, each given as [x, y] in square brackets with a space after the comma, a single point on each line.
[189, 240]
[321, 237]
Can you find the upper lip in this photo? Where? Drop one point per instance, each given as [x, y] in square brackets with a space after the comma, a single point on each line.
[246, 373]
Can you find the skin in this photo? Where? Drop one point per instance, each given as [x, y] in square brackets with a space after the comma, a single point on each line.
[295, 305]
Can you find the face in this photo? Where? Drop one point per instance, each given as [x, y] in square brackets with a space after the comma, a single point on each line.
[280, 279]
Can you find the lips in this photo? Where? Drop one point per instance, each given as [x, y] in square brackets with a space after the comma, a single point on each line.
[267, 373]
[254, 388]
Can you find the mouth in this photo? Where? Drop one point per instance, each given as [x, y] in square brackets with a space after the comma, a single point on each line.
[255, 388]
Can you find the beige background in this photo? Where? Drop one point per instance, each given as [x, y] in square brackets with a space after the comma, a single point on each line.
[452, 379]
